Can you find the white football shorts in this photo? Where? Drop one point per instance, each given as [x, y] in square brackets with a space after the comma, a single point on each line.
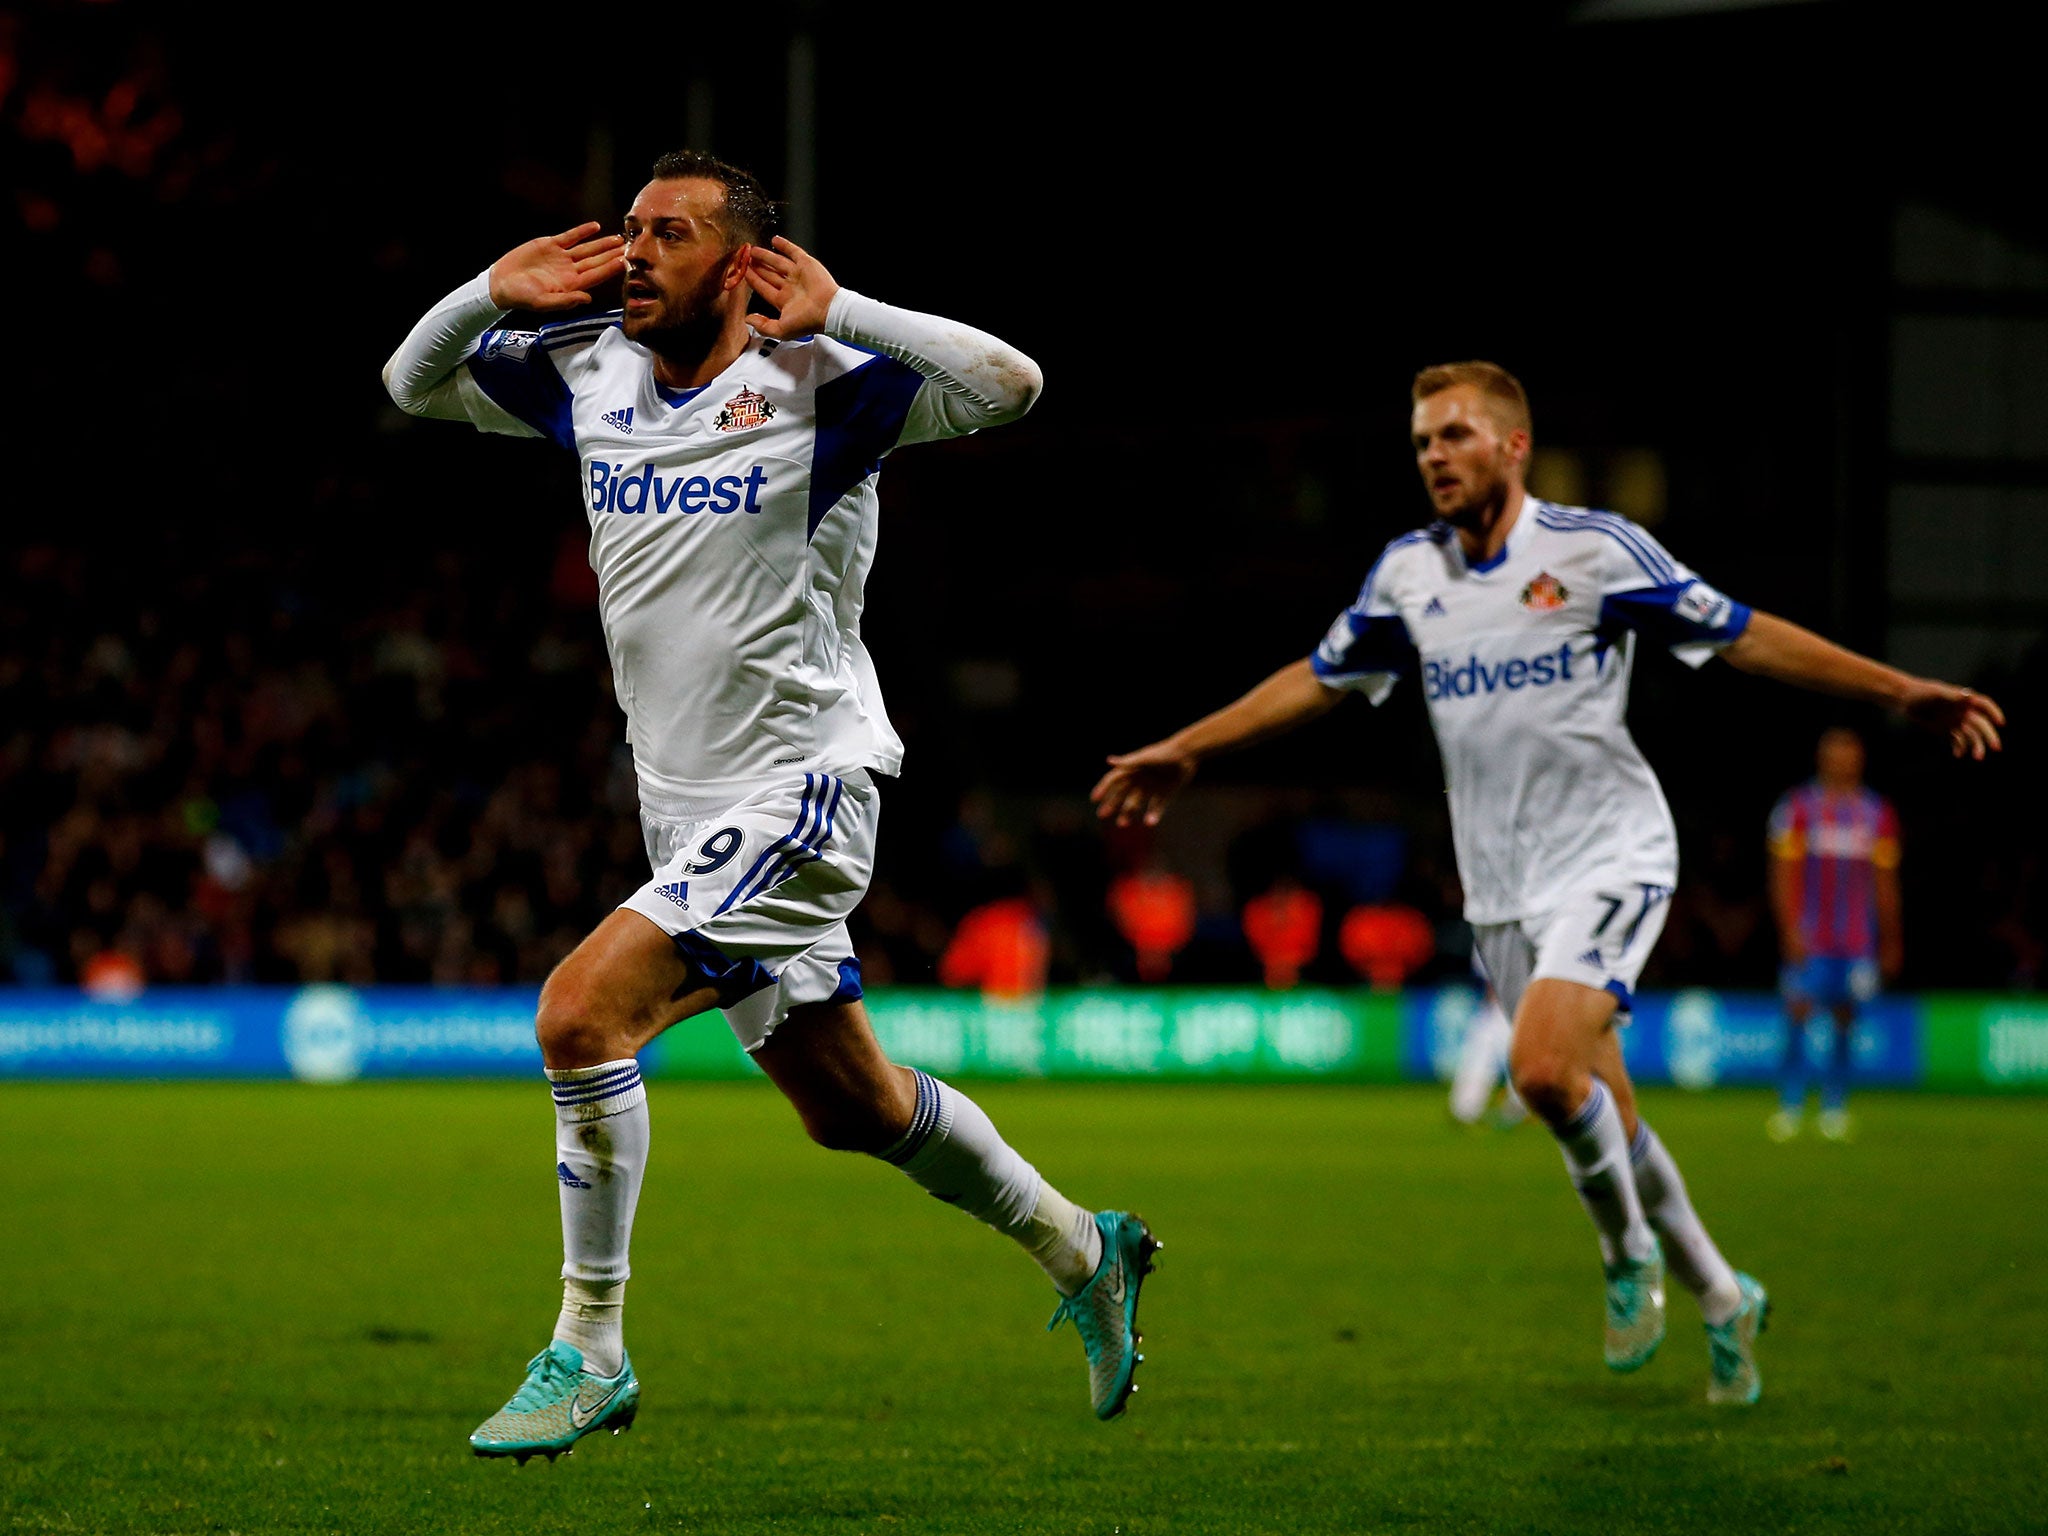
[1599, 936]
[756, 896]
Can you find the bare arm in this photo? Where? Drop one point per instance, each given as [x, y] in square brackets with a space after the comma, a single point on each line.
[1139, 783]
[1776, 648]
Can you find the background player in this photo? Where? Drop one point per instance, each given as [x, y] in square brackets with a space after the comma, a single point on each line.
[1519, 620]
[728, 464]
[1483, 1066]
[1835, 895]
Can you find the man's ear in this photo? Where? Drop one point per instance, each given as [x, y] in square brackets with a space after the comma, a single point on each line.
[1519, 444]
[736, 267]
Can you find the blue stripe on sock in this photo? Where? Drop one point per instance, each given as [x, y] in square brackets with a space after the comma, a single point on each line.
[1639, 1148]
[623, 1074]
[591, 1089]
[923, 1120]
[588, 1075]
[1588, 1111]
[601, 1091]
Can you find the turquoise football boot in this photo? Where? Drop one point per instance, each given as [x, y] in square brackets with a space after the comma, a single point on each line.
[1731, 1347]
[1105, 1310]
[1635, 1311]
[557, 1405]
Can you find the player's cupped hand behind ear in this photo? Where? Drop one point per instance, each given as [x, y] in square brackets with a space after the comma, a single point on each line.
[557, 272]
[796, 283]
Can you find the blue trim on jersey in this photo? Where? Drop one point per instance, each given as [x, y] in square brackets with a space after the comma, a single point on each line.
[560, 333]
[1378, 644]
[1389, 650]
[1653, 611]
[1418, 536]
[848, 990]
[860, 416]
[1481, 567]
[678, 396]
[530, 389]
[1623, 997]
[734, 978]
[1655, 564]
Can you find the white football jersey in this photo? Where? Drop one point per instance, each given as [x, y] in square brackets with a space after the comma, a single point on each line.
[731, 529]
[1524, 662]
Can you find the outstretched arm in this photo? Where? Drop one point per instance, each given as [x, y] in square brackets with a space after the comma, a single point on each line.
[979, 380]
[1139, 783]
[1776, 648]
[551, 274]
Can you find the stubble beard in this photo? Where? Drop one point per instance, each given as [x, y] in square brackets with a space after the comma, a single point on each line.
[1481, 508]
[692, 326]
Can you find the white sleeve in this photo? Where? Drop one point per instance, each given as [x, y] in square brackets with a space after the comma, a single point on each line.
[1644, 587]
[1367, 648]
[972, 379]
[425, 376]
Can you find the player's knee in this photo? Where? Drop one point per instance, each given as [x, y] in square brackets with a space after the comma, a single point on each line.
[572, 1027]
[1546, 1082]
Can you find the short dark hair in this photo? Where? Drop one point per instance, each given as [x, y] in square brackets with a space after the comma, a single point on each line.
[750, 215]
[1502, 389]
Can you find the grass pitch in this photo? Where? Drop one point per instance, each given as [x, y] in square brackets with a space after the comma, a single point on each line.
[279, 1308]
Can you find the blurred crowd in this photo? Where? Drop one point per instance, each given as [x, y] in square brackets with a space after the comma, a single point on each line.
[243, 768]
[294, 689]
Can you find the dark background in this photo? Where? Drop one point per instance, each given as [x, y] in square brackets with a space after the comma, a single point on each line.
[293, 686]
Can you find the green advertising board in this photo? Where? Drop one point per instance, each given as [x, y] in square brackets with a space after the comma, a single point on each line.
[1975, 1041]
[1194, 1034]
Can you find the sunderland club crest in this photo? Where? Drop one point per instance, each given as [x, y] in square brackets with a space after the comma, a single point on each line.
[745, 409]
[1545, 594]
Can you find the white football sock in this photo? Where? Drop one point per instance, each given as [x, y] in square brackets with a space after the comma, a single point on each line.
[593, 1319]
[1596, 1155]
[1687, 1249]
[601, 1134]
[953, 1151]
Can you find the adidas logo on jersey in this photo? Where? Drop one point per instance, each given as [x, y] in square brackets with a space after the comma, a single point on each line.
[1435, 610]
[679, 893]
[1592, 957]
[622, 418]
[564, 1174]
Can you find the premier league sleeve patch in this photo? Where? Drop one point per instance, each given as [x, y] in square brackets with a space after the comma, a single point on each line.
[1700, 604]
[1338, 640]
[507, 344]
